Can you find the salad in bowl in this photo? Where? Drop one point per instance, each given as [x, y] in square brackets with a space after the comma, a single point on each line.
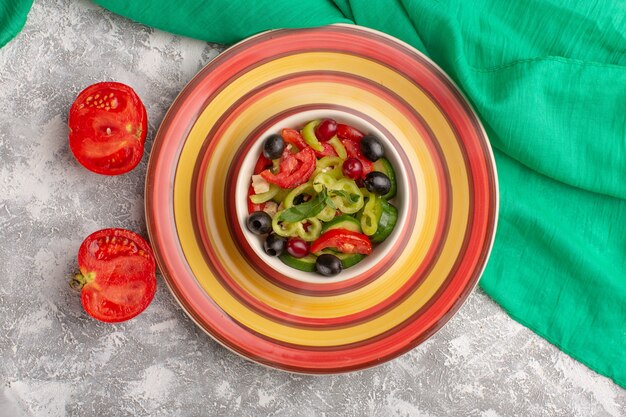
[322, 197]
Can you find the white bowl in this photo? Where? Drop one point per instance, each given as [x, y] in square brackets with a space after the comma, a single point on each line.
[296, 122]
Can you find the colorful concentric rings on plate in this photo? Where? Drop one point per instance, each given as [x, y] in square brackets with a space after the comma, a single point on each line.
[354, 283]
[272, 318]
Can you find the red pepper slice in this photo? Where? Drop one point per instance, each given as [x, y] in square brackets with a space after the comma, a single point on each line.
[327, 151]
[293, 137]
[261, 164]
[295, 169]
[348, 132]
[288, 162]
[345, 241]
[251, 206]
[353, 149]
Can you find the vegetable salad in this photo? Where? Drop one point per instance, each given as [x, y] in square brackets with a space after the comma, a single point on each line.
[322, 196]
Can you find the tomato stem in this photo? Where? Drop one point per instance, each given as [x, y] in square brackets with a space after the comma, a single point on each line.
[79, 280]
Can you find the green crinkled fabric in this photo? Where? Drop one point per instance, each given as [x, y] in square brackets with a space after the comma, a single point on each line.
[548, 79]
[12, 18]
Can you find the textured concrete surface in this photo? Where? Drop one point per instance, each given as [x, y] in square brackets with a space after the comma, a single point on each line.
[54, 360]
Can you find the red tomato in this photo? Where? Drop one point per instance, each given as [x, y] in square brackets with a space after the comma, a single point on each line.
[261, 164]
[293, 137]
[345, 241]
[108, 126]
[348, 132]
[295, 169]
[251, 206]
[117, 275]
[288, 162]
[353, 150]
[327, 151]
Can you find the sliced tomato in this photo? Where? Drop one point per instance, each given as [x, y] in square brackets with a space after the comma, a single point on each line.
[345, 241]
[294, 137]
[295, 169]
[353, 149]
[348, 132]
[251, 206]
[117, 275]
[108, 127]
[327, 151]
[288, 162]
[261, 164]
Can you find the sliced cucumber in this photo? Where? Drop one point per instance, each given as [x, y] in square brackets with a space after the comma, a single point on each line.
[349, 259]
[386, 223]
[383, 165]
[343, 222]
[307, 263]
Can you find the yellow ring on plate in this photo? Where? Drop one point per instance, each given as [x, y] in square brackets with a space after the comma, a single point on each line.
[337, 305]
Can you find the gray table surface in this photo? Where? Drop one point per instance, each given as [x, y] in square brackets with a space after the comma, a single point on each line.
[55, 360]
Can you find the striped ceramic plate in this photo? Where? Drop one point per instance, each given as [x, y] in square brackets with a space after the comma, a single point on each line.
[196, 197]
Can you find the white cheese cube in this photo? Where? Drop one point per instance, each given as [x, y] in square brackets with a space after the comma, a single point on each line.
[271, 208]
[259, 184]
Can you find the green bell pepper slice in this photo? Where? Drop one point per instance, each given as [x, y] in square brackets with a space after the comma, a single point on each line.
[280, 195]
[327, 214]
[344, 193]
[338, 147]
[287, 229]
[266, 196]
[284, 229]
[332, 162]
[306, 188]
[312, 231]
[308, 134]
[371, 214]
[323, 180]
[347, 196]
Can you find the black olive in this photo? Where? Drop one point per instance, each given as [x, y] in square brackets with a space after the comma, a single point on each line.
[377, 183]
[372, 148]
[259, 223]
[273, 147]
[275, 245]
[328, 265]
[298, 200]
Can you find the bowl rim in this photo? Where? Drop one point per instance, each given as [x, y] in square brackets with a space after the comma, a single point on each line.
[242, 170]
